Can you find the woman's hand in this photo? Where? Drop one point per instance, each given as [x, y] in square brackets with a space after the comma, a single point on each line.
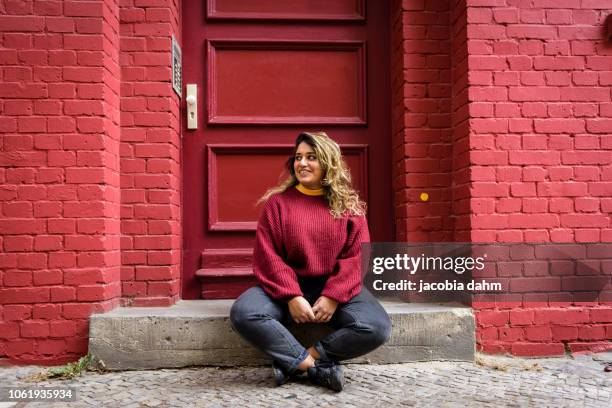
[300, 310]
[324, 309]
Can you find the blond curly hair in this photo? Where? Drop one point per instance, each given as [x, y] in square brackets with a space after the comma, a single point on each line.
[342, 199]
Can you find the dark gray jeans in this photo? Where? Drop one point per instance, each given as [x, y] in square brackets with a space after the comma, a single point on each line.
[361, 324]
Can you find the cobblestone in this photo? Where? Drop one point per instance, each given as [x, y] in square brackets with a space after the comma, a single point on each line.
[492, 382]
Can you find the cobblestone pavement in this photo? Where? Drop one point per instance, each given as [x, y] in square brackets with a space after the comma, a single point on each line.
[491, 382]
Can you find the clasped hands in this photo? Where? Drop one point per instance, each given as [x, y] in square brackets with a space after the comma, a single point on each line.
[321, 312]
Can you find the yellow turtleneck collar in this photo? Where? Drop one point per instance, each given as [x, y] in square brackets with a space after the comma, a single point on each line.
[309, 191]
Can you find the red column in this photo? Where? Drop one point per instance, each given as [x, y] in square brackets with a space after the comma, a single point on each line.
[150, 154]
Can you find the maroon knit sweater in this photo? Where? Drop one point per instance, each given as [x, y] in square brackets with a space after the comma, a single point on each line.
[297, 236]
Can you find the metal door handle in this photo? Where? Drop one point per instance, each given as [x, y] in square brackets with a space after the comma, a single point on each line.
[192, 106]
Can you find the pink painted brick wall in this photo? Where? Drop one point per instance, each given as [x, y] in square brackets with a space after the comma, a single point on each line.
[540, 128]
[150, 154]
[540, 76]
[59, 175]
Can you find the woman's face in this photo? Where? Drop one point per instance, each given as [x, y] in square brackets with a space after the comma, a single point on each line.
[307, 167]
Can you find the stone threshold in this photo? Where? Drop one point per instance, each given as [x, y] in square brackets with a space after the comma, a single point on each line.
[198, 332]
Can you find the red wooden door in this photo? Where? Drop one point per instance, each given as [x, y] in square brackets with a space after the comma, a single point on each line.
[265, 71]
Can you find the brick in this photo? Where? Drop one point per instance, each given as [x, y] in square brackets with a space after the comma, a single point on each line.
[31, 261]
[535, 284]
[62, 328]
[90, 124]
[531, 31]
[530, 47]
[48, 277]
[83, 74]
[537, 349]
[559, 125]
[589, 347]
[564, 333]
[85, 243]
[47, 243]
[90, 91]
[98, 292]
[538, 333]
[584, 94]
[492, 94]
[559, 63]
[561, 316]
[489, 125]
[62, 294]
[599, 125]
[534, 157]
[82, 209]
[537, 94]
[492, 318]
[592, 332]
[586, 204]
[562, 189]
[131, 15]
[556, 110]
[17, 312]
[31, 192]
[83, 9]
[46, 311]
[152, 181]
[61, 226]
[598, 63]
[47, 107]
[21, 23]
[61, 124]
[18, 209]
[534, 109]
[535, 205]
[133, 289]
[89, 26]
[152, 89]
[47, 209]
[580, 32]
[17, 278]
[18, 243]
[586, 157]
[51, 347]
[33, 124]
[32, 57]
[558, 16]
[160, 258]
[532, 16]
[585, 110]
[31, 328]
[9, 330]
[85, 175]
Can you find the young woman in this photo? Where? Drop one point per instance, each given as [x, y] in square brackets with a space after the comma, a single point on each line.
[307, 262]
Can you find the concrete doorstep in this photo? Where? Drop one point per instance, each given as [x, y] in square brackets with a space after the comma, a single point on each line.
[198, 332]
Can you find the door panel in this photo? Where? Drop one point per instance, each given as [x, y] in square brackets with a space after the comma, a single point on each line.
[287, 9]
[232, 197]
[286, 82]
[265, 74]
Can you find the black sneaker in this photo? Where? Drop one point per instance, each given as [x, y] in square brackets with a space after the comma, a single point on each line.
[281, 376]
[327, 374]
